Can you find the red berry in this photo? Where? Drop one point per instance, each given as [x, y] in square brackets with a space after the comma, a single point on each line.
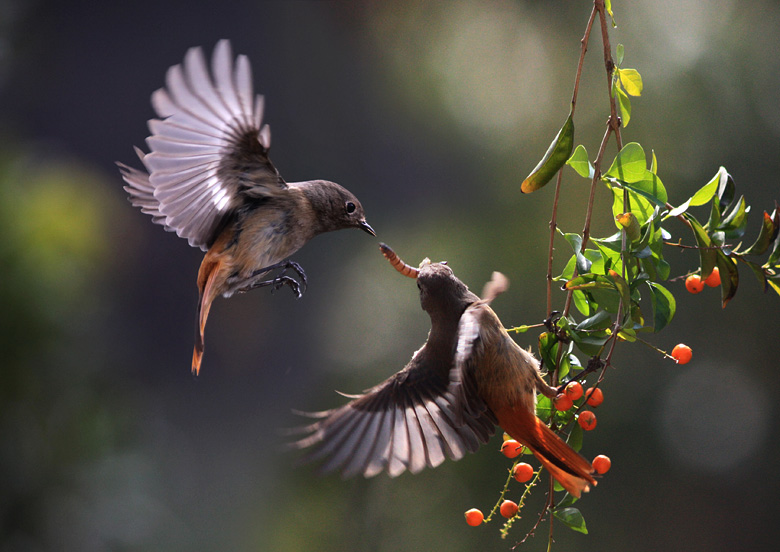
[594, 396]
[713, 280]
[474, 517]
[511, 448]
[573, 390]
[523, 472]
[682, 354]
[602, 464]
[508, 509]
[694, 284]
[562, 402]
[587, 420]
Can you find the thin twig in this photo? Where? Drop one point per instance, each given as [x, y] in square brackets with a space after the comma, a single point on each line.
[553, 220]
[584, 42]
[609, 64]
[586, 230]
[553, 229]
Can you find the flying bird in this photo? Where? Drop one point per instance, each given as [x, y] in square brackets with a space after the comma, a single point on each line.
[468, 377]
[208, 178]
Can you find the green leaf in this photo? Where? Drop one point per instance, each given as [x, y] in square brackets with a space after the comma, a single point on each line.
[630, 164]
[664, 306]
[625, 107]
[608, 7]
[729, 277]
[759, 274]
[651, 187]
[555, 157]
[566, 501]
[631, 81]
[580, 163]
[774, 286]
[619, 52]
[572, 518]
[607, 298]
[679, 210]
[583, 263]
[726, 189]
[765, 236]
[774, 256]
[706, 192]
[653, 163]
[734, 223]
[622, 286]
[548, 349]
[583, 303]
[590, 281]
[707, 254]
[598, 321]
[544, 408]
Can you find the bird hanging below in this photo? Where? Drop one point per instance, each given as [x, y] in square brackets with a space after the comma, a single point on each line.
[467, 378]
[209, 179]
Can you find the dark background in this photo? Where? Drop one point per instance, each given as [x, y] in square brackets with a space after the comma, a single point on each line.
[432, 113]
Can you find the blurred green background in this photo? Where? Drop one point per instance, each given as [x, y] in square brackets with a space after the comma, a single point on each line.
[432, 113]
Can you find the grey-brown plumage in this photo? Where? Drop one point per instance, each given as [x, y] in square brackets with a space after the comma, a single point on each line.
[469, 376]
[412, 419]
[209, 179]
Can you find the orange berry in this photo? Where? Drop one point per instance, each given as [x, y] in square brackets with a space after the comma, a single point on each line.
[508, 509]
[602, 464]
[594, 396]
[511, 448]
[587, 420]
[713, 280]
[573, 390]
[682, 354]
[523, 472]
[474, 517]
[694, 284]
[562, 402]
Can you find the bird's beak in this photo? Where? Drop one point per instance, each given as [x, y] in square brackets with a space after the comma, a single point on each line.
[366, 227]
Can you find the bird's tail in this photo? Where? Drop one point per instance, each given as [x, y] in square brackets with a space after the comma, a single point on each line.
[208, 290]
[567, 466]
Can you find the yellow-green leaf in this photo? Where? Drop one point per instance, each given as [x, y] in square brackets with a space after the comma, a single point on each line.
[580, 163]
[625, 106]
[631, 81]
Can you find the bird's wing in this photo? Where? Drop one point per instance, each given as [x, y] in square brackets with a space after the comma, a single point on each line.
[471, 348]
[407, 422]
[141, 191]
[208, 149]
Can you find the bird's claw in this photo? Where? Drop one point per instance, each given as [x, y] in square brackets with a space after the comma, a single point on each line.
[280, 281]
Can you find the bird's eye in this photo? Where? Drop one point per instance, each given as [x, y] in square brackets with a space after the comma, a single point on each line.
[350, 207]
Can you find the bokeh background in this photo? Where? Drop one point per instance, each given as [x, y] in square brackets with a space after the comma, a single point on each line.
[432, 113]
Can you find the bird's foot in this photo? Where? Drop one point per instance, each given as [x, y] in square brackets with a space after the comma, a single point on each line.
[256, 281]
[280, 281]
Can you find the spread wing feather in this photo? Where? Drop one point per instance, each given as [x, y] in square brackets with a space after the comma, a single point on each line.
[208, 149]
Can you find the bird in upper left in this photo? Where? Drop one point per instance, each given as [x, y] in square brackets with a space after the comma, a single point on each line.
[207, 177]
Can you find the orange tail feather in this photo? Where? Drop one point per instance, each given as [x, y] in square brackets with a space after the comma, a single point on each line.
[208, 290]
[571, 470]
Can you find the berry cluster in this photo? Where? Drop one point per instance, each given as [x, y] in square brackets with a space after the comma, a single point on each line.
[523, 472]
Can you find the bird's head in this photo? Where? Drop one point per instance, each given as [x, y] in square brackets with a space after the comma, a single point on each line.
[337, 207]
